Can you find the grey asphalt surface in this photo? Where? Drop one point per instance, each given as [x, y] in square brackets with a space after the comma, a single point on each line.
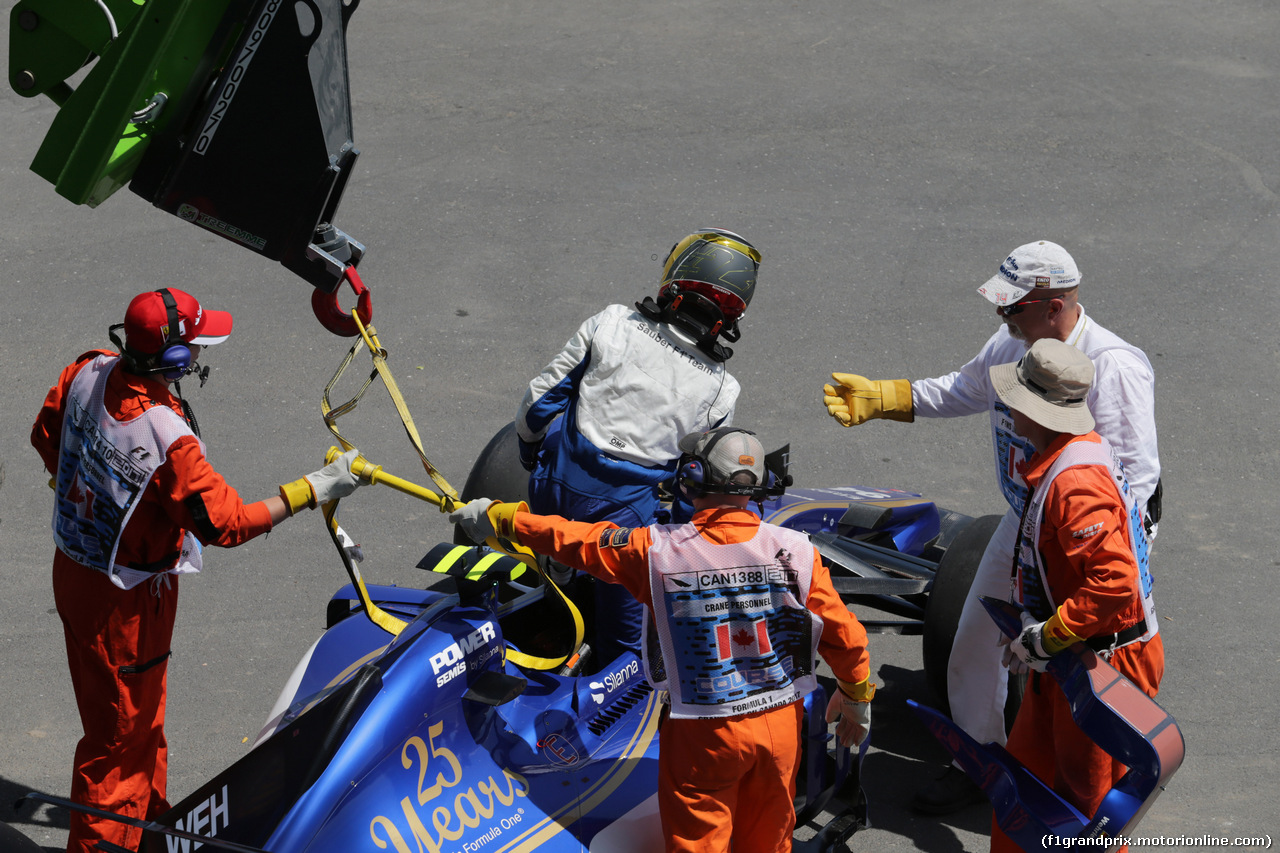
[525, 164]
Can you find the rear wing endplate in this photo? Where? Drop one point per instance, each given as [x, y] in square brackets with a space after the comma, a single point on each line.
[1128, 725]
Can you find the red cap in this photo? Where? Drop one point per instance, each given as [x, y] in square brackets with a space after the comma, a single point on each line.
[146, 323]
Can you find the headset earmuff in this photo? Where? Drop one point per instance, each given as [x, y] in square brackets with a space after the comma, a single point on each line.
[175, 356]
[174, 362]
[691, 477]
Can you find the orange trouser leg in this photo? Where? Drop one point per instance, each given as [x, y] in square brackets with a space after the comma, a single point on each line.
[117, 650]
[730, 783]
[766, 814]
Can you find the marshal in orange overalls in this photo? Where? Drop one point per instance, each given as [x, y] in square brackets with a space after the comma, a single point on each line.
[118, 640]
[1093, 576]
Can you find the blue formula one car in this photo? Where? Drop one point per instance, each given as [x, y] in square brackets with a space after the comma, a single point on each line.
[441, 719]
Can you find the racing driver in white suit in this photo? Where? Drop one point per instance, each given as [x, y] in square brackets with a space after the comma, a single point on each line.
[599, 426]
[1035, 293]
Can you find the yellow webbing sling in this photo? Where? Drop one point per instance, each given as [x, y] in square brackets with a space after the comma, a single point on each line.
[447, 502]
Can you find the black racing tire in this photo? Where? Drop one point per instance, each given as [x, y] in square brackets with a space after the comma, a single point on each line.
[951, 583]
[12, 841]
[496, 474]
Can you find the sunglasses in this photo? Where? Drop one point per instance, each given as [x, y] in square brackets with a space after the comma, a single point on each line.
[1016, 308]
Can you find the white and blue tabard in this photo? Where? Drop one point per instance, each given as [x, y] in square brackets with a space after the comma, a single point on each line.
[103, 467]
[732, 628]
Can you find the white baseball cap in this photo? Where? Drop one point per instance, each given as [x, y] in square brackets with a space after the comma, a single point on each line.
[1034, 266]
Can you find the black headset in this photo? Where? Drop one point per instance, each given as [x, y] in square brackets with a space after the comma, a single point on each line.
[692, 472]
[174, 359]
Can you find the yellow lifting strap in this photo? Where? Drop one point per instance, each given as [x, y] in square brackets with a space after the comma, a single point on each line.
[579, 630]
[371, 473]
[384, 620]
[447, 501]
[489, 561]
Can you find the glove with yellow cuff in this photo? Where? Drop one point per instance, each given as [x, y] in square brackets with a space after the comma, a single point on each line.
[335, 480]
[854, 399]
[484, 518]
[851, 705]
[1038, 642]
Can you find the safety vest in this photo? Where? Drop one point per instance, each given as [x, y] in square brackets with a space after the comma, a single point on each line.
[1033, 581]
[103, 467]
[731, 633]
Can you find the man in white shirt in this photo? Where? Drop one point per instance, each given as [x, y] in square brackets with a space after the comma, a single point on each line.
[1035, 293]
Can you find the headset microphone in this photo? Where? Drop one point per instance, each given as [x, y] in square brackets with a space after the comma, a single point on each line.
[201, 373]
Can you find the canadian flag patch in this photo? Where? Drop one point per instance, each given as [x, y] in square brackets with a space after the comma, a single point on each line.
[743, 638]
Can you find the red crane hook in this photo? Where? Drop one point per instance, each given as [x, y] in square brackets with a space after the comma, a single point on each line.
[330, 314]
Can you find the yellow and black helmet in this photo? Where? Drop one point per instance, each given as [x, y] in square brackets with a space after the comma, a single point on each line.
[716, 263]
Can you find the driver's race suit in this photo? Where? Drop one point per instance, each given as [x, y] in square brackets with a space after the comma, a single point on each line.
[1082, 555]
[739, 608]
[604, 418]
[118, 623]
[1122, 400]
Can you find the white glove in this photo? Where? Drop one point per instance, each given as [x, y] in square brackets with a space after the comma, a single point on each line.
[474, 519]
[335, 480]
[1026, 651]
[854, 716]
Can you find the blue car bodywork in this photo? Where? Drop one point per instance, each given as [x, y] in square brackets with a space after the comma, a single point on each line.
[431, 741]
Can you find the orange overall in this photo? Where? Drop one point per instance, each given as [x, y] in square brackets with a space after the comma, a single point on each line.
[1093, 577]
[724, 783]
[118, 640]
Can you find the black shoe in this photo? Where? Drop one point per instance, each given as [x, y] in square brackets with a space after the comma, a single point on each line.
[950, 792]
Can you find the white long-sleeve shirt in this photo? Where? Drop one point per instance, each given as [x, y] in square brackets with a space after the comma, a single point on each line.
[1122, 400]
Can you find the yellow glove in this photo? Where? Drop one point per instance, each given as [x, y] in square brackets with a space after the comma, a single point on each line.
[1057, 636]
[862, 691]
[298, 496]
[1037, 644]
[854, 399]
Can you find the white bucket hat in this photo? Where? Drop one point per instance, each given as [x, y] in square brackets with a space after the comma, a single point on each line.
[1034, 266]
[1050, 385]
